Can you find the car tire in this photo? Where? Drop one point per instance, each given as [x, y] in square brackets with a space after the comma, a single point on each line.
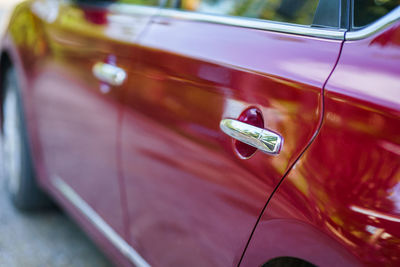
[17, 159]
[288, 262]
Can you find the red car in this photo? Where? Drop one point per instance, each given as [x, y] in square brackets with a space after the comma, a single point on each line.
[210, 132]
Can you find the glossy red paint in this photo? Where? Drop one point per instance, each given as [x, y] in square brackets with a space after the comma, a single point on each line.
[149, 156]
[187, 190]
[345, 189]
[96, 15]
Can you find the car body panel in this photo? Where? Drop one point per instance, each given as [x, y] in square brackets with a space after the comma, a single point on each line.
[187, 190]
[346, 185]
[77, 115]
[149, 159]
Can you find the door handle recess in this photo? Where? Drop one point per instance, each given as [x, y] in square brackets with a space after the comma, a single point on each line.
[262, 139]
[108, 73]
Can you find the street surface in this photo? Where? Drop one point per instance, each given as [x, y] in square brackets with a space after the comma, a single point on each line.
[42, 239]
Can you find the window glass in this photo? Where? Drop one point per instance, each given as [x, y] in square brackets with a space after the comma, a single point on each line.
[105, 2]
[368, 11]
[140, 2]
[291, 11]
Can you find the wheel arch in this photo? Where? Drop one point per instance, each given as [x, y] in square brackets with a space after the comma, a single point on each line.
[283, 238]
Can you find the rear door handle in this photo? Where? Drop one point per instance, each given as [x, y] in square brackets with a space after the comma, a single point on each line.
[108, 73]
[262, 139]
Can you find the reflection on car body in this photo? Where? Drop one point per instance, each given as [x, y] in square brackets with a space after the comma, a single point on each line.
[119, 111]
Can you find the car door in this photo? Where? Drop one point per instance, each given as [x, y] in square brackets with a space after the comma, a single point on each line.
[193, 193]
[76, 95]
[342, 199]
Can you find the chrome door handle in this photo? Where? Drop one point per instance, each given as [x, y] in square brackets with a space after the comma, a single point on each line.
[108, 73]
[266, 141]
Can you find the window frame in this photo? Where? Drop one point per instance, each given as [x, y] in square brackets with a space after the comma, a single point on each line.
[261, 24]
[345, 32]
[351, 19]
[374, 27]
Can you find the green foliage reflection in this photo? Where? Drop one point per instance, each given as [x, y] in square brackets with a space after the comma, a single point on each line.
[291, 11]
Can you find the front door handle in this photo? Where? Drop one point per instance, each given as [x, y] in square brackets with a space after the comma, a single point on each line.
[108, 73]
[262, 139]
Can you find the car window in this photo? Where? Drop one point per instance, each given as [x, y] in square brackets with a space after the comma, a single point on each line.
[368, 11]
[290, 11]
[140, 2]
[106, 2]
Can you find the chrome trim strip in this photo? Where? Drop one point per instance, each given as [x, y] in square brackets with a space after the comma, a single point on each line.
[375, 214]
[254, 24]
[97, 221]
[373, 28]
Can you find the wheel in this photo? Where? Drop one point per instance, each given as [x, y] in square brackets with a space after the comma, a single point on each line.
[17, 160]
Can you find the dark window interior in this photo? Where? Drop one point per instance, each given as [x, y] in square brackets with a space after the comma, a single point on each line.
[368, 11]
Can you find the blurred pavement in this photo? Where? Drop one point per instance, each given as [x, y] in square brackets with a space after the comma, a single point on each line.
[42, 239]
